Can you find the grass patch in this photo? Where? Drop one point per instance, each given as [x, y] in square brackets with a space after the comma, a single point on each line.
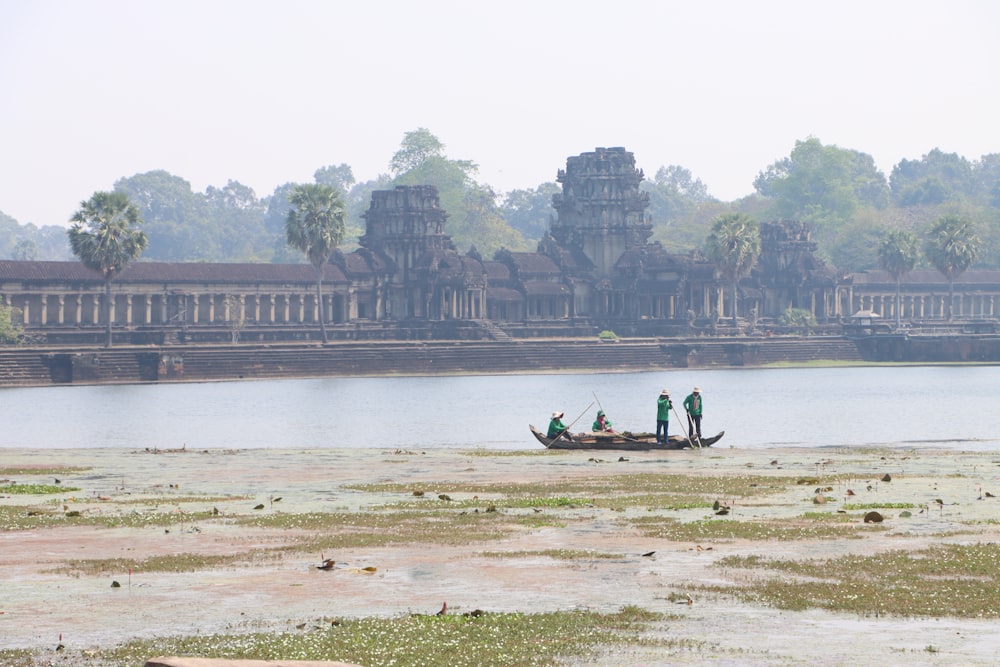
[7, 472]
[17, 657]
[370, 529]
[700, 486]
[15, 517]
[805, 528]
[480, 639]
[184, 562]
[15, 489]
[949, 580]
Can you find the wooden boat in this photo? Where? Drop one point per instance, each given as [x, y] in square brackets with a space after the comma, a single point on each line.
[621, 441]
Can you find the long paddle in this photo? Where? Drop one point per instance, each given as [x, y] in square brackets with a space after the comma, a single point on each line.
[690, 441]
[566, 430]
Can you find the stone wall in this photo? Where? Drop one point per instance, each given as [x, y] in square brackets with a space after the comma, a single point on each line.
[192, 363]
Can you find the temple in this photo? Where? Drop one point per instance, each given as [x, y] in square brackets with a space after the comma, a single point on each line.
[595, 269]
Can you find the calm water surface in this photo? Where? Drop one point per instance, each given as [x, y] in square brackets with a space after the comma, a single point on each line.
[948, 406]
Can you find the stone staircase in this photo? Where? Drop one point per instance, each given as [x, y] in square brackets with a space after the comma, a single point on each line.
[494, 332]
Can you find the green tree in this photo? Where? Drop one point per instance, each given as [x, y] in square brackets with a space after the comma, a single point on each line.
[734, 246]
[25, 250]
[105, 236]
[822, 185]
[680, 208]
[339, 176]
[484, 225]
[529, 211]
[986, 171]
[418, 146]
[315, 226]
[10, 329]
[952, 246]
[237, 218]
[898, 253]
[175, 218]
[934, 179]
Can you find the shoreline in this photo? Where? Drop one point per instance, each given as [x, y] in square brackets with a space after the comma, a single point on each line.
[42, 600]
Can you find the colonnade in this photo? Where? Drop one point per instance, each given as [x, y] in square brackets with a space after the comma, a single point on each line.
[134, 308]
[930, 306]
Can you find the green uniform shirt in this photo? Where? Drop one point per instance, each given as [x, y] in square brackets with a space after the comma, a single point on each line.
[693, 404]
[663, 407]
[597, 425]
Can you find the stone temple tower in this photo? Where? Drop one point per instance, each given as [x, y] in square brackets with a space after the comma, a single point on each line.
[601, 210]
[403, 224]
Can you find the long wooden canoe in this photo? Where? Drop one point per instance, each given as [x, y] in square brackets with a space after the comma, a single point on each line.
[621, 441]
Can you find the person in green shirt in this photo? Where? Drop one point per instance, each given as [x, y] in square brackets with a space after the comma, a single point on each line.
[602, 424]
[693, 407]
[663, 406]
[557, 427]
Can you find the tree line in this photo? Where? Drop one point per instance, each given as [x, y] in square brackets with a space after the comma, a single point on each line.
[851, 206]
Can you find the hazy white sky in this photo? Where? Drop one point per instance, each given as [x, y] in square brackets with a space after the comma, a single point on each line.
[265, 92]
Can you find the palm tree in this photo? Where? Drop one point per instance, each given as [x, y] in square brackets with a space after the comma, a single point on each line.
[734, 246]
[105, 237]
[897, 254]
[315, 226]
[952, 247]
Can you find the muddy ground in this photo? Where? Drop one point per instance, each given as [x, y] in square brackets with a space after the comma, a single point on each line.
[42, 603]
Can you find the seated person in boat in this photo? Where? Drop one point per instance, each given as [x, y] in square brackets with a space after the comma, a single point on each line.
[557, 427]
[602, 424]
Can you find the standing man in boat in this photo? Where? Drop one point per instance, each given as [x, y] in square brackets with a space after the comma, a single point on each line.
[693, 408]
[663, 407]
[557, 427]
[602, 424]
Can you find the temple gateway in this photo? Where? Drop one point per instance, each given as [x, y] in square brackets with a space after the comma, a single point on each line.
[594, 270]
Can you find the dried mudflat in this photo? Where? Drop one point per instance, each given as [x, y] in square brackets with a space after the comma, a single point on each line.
[48, 597]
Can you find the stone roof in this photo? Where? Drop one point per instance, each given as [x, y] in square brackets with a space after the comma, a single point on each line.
[538, 288]
[533, 263]
[496, 271]
[174, 272]
[503, 294]
[929, 278]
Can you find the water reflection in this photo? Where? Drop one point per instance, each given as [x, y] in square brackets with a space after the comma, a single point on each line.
[951, 406]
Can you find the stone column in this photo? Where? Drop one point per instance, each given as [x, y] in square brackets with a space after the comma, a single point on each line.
[147, 309]
[78, 309]
[287, 307]
[270, 317]
[211, 309]
[128, 308]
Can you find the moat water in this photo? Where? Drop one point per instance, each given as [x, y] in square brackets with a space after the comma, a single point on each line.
[939, 406]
